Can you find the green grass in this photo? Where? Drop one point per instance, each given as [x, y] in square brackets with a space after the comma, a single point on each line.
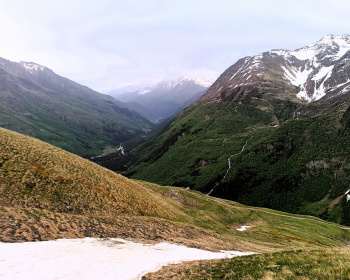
[193, 151]
[294, 168]
[297, 264]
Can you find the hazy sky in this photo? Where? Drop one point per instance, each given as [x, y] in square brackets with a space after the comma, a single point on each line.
[108, 44]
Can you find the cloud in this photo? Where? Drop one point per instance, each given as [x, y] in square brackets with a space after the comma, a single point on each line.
[108, 44]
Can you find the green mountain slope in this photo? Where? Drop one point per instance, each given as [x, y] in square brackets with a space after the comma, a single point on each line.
[300, 166]
[47, 193]
[37, 102]
[253, 137]
[193, 150]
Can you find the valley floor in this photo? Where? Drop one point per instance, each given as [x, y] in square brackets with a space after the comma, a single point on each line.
[95, 258]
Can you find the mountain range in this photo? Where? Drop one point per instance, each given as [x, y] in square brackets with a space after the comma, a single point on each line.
[168, 97]
[35, 101]
[272, 131]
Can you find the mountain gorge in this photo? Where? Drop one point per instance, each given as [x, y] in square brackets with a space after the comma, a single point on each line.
[37, 102]
[167, 97]
[272, 131]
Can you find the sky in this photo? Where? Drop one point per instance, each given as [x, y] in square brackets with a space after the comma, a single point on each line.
[110, 44]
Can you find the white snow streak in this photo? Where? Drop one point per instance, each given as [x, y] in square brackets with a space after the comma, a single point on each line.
[121, 149]
[239, 70]
[31, 67]
[298, 78]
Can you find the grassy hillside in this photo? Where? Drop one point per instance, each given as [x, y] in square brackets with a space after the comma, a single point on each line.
[193, 150]
[47, 193]
[302, 166]
[296, 164]
[296, 264]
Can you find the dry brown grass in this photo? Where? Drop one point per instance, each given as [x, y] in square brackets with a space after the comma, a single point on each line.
[35, 174]
[23, 224]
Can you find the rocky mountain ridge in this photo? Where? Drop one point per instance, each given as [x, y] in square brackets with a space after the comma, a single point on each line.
[320, 70]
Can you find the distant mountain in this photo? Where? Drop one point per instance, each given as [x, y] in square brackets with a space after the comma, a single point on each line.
[272, 131]
[37, 102]
[167, 98]
[128, 88]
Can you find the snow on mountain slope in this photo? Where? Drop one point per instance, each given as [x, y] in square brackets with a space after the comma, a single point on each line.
[31, 66]
[168, 97]
[312, 72]
[320, 58]
[178, 84]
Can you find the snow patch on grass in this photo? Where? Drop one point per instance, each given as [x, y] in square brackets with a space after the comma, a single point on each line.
[243, 228]
[94, 258]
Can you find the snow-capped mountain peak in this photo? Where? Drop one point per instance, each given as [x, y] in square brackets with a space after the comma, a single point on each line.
[201, 81]
[168, 97]
[318, 70]
[183, 81]
[321, 57]
[329, 47]
[179, 83]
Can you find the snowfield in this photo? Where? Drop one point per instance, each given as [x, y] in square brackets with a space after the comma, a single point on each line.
[93, 258]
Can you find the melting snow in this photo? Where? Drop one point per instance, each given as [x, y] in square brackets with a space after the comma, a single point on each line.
[347, 195]
[239, 70]
[296, 76]
[93, 258]
[329, 48]
[322, 73]
[339, 44]
[280, 52]
[345, 89]
[243, 228]
[30, 66]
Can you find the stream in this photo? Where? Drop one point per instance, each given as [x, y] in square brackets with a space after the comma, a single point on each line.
[243, 147]
[229, 162]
